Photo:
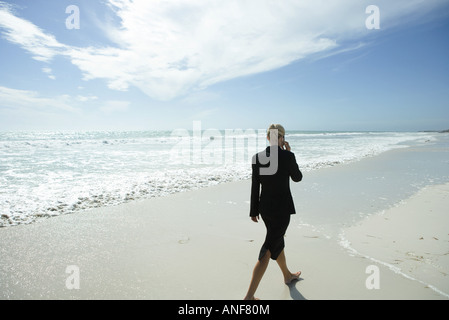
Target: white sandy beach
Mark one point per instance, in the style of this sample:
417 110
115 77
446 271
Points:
202 245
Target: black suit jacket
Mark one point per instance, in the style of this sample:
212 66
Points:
275 197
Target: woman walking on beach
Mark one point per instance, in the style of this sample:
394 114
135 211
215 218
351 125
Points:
272 169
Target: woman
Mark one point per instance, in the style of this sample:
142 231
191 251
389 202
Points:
274 203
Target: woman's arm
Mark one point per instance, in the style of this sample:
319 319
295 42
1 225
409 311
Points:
294 171
255 189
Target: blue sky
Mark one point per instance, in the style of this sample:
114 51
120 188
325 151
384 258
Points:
146 65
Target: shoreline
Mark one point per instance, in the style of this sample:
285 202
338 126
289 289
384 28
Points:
410 238
44 193
201 244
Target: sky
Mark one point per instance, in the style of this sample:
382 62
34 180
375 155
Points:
346 65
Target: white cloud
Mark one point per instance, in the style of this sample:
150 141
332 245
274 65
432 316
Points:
115 106
86 98
41 45
14 99
200 97
171 48
49 72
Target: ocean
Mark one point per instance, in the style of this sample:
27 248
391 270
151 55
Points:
46 174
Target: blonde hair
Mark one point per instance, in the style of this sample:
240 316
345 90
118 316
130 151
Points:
280 129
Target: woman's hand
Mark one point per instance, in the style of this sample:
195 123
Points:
255 219
287 146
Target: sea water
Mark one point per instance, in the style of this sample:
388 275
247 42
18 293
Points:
45 174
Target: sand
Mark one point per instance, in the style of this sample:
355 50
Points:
202 244
411 238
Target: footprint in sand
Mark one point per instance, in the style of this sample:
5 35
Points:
184 240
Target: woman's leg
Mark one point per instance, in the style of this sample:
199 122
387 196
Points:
288 276
258 273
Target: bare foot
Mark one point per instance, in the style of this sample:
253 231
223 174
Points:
293 277
251 298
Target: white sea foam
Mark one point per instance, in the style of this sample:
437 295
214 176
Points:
51 173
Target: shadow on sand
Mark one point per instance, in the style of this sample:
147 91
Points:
294 293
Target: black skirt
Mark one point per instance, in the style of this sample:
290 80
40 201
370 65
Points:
274 240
